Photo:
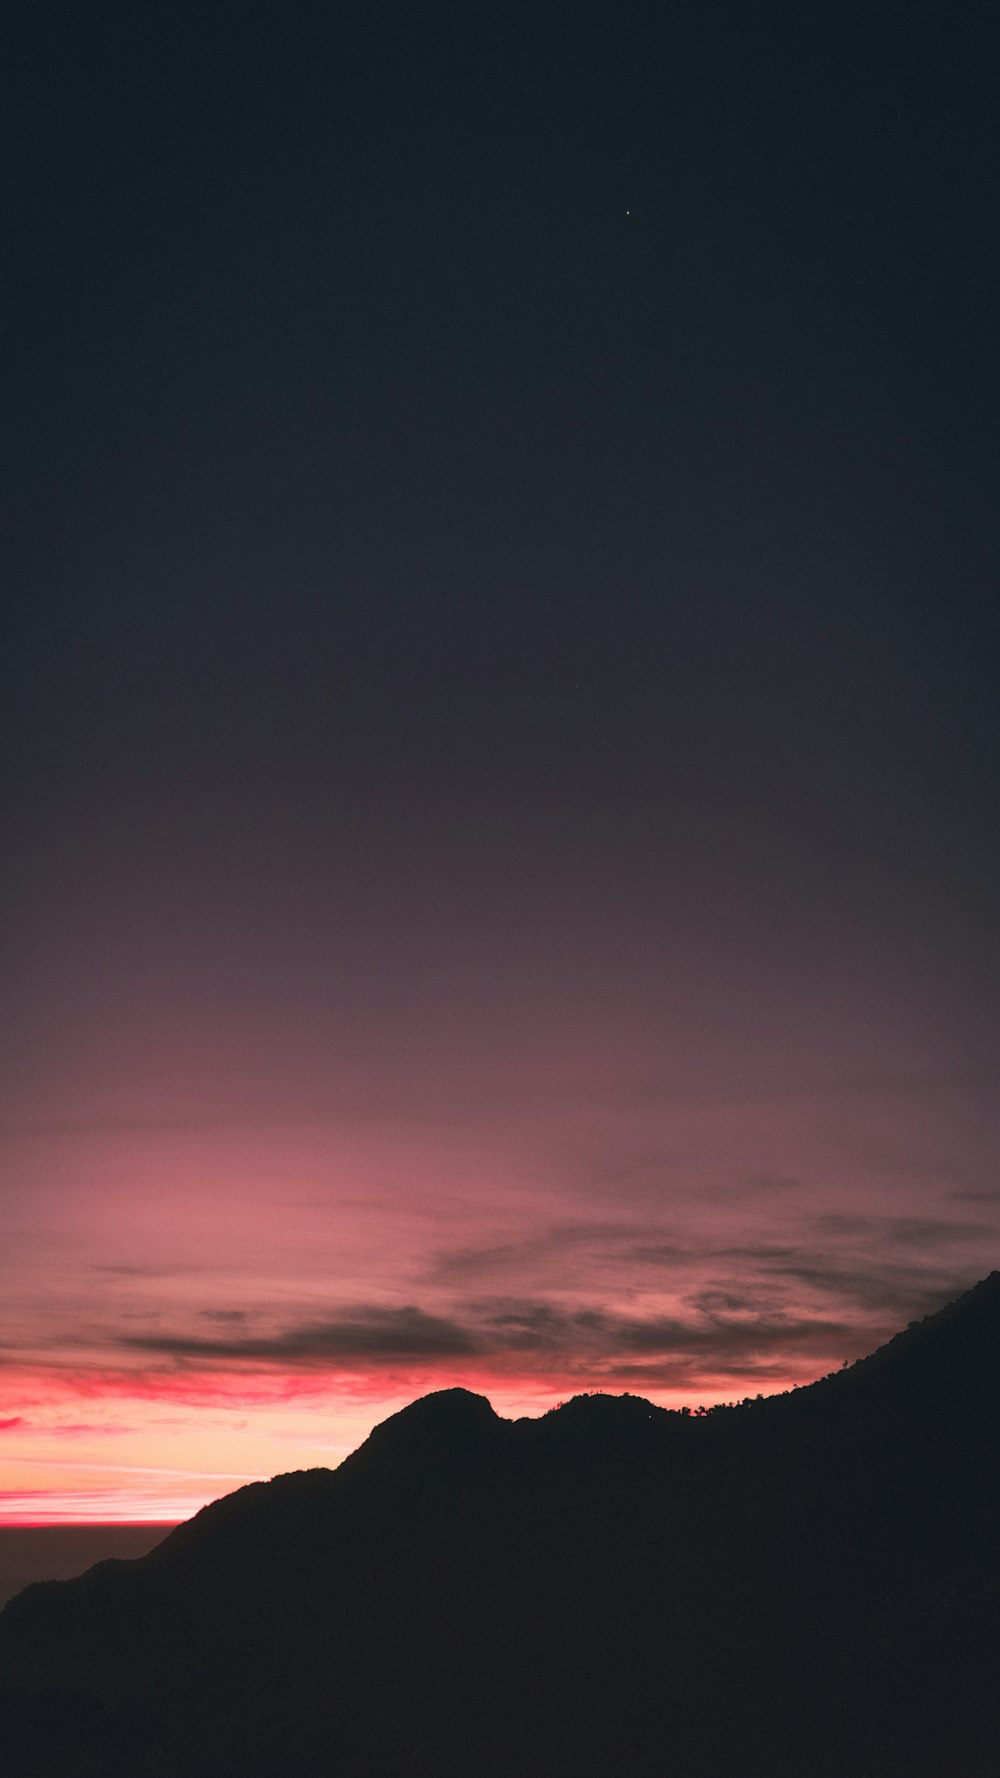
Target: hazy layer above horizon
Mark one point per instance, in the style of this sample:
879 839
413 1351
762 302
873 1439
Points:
58 1552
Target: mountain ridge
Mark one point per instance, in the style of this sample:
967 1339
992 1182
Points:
562 1595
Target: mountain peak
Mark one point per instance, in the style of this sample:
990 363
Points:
449 1426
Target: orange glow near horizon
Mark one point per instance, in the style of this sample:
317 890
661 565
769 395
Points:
165 1344
266 1425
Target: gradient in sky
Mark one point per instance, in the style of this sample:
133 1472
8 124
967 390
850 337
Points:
501 869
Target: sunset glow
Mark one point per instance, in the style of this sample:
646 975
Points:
167 1342
499 862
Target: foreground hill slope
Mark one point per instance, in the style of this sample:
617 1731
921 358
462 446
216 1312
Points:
806 1585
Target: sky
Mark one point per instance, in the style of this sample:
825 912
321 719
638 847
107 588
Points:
500 863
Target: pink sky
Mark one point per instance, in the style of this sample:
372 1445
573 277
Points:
500 859
189 1305
296 1126
499 867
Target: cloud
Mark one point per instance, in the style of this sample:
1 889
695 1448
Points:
551 1304
61 1429
869 1270
506 1255
872 1288
530 1336
368 1334
611 1301
596 1240
932 1232
150 1270
541 1327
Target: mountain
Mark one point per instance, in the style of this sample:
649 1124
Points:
804 1586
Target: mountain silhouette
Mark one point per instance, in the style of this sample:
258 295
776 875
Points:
802 1586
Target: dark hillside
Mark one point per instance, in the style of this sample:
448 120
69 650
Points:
802 1587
